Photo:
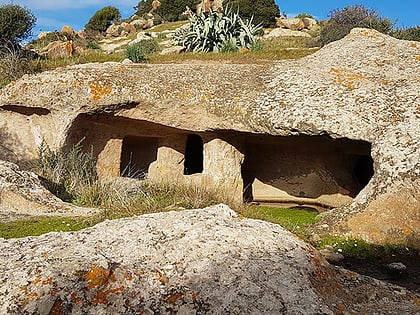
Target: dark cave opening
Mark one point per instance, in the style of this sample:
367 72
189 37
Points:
305 170
193 162
137 154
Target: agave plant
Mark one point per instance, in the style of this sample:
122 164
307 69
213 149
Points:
217 31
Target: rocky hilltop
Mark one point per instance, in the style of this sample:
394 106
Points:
207 261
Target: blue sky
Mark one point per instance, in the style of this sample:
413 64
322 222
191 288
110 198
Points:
53 14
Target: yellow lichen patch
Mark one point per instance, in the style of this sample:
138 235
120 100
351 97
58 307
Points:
346 77
122 68
97 277
407 231
375 230
418 57
413 45
368 34
97 90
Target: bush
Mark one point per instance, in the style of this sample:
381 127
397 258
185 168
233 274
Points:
15 62
343 21
103 18
66 174
139 52
16 23
261 11
412 33
216 31
169 10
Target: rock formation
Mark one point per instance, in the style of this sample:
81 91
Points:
207 261
338 129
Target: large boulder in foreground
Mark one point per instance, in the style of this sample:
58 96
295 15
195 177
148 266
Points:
207 261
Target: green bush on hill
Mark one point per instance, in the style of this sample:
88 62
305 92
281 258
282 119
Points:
262 11
341 22
411 33
169 10
103 18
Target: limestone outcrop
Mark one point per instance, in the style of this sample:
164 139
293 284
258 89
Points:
339 128
22 193
207 261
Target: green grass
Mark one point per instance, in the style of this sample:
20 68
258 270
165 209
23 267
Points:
42 225
295 220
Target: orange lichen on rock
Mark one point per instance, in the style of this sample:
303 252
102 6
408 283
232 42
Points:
97 90
407 231
346 77
101 296
173 298
418 57
97 277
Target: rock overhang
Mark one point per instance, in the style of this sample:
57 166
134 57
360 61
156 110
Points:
364 87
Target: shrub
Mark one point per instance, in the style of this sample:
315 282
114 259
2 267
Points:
16 23
214 31
341 22
103 18
169 10
304 15
66 174
261 11
411 33
15 62
139 52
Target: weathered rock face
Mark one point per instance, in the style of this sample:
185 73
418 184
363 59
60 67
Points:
22 193
355 103
205 261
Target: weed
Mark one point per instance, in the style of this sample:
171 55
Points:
66 174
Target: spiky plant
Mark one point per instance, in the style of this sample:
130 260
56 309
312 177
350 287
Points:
217 31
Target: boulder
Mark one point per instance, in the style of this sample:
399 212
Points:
114 30
129 28
68 29
294 24
23 193
59 49
310 23
283 32
187 262
172 50
139 23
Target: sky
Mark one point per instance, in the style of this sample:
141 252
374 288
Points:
54 14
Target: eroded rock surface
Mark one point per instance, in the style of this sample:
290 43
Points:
207 261
22 193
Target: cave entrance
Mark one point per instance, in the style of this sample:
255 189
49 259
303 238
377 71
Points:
137 154
305 170
193 162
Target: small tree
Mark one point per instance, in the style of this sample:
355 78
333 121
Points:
103 18
262 11
16 23
341 22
